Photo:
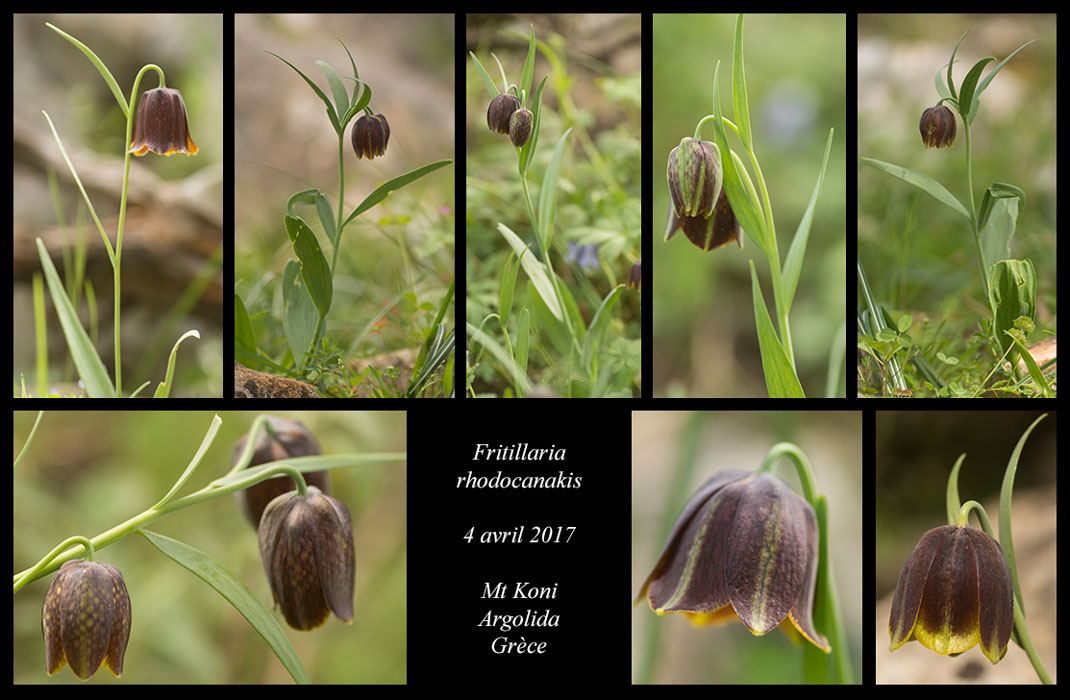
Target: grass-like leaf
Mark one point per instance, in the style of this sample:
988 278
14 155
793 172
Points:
389 186
331 113
548 193
780 379
739 88
101 68
793 263
1006 542
90 367
535 270
237 594
921 181
164 389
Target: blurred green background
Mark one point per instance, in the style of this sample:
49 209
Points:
86 472
666 443
919 255
284 143
704 335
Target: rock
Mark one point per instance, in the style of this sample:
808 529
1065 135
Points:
250 384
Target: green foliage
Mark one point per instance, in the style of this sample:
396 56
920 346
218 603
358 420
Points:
571 329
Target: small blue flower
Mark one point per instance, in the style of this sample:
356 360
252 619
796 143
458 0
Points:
586 256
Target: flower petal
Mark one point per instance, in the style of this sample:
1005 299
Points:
768 550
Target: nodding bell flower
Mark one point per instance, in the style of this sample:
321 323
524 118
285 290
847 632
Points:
161 125
937 127
86 619
370 134
306 547
286 438
520 124
699 203
744 546
501 111
954 592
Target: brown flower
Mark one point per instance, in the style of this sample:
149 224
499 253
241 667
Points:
744 546
306 547
370 136
161 125
953 593
86 619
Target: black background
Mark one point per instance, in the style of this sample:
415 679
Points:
447 574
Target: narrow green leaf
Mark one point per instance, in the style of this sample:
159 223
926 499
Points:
338 88
386 188
314 463
1006 541
508 287
950 63
244 338
740 109
954 505
491 87
326 214
356 76
921 181
331 114
85 195
234 592
967 102
529 67
314 268
523 339
599 323
86 360
548 193
209 437
528 149
101 68
793 263
746 211
163 390
536 271
1034 370
780 379
997 69
500 354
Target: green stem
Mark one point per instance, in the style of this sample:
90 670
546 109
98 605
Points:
117 263
54 560
549 268
1026 642
802 467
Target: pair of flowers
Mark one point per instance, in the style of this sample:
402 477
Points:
162 127
746 546
306 548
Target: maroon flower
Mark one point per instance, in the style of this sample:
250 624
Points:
86 619
161 125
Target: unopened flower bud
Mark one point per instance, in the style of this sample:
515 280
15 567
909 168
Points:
370 135
520 127
694 177
937 127
500 111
